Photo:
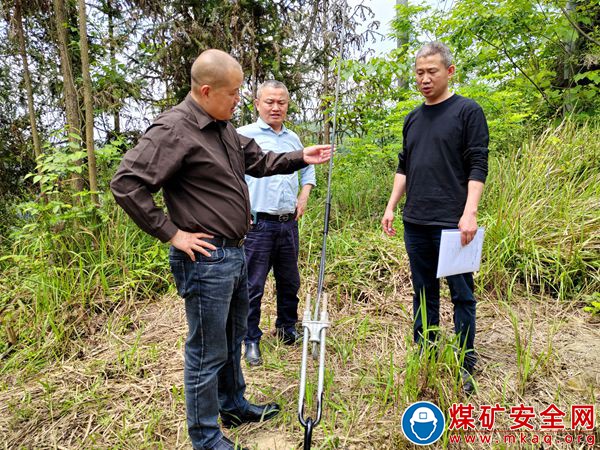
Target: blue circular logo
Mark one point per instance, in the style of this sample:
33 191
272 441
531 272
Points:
423 423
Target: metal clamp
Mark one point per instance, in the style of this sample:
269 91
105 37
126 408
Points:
314 327
314 331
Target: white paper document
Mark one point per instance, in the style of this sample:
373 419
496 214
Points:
454 258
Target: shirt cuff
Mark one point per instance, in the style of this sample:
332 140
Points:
297 158
167 231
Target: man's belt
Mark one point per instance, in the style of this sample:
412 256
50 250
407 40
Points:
276 218
224 242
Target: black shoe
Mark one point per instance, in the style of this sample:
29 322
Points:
226 444
289 337
255 413
468 383
252 354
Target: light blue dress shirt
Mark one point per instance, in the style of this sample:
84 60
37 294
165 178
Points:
276 194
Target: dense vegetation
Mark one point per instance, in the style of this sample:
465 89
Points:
70 257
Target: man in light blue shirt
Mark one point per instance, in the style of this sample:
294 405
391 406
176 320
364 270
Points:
272 241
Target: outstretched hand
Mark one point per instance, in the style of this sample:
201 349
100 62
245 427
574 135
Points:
317 154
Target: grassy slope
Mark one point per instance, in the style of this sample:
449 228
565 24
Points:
95 367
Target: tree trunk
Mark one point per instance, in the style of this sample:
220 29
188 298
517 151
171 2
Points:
113 64
70 94
88 101
254 82
309 35
568 62
253 62
400 43
37 146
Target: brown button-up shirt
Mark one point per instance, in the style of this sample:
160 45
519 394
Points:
199 163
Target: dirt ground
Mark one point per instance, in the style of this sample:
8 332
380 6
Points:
123 387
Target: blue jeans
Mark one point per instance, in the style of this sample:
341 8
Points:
216 307
273 244
423 248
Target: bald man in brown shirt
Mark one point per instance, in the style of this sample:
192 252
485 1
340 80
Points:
194 154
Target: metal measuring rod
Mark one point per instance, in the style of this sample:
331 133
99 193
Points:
316 322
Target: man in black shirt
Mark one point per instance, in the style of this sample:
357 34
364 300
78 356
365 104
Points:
442 169
193 153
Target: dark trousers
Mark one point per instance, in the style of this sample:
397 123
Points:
271 244
423 247
215 291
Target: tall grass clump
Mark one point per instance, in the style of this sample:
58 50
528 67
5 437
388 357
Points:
361 182
541 209
358 265
60 283
66 264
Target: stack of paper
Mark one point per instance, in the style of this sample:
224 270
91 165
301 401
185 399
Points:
456 258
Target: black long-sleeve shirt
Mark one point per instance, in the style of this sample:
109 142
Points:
445 146
199 163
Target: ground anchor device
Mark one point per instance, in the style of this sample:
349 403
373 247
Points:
314 332
316 322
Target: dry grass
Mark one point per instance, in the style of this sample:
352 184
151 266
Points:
123 389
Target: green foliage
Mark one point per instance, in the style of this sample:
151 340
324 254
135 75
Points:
433 368
70 262
540 210
359 172
16 159
521 60
67 264
542 230
527 46
527 363
59 282
509 114
593 304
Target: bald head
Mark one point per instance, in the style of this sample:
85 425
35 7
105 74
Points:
216 81
214 67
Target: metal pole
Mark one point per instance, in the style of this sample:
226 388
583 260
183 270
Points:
328 198
315 327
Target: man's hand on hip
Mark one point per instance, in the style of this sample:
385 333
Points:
317 154
190 242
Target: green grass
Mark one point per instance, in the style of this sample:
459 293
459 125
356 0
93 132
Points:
541 208
58 287
65 286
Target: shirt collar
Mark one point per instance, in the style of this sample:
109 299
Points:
265 126
202 117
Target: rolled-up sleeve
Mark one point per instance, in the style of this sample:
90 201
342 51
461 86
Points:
476 144
308 174
142 172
